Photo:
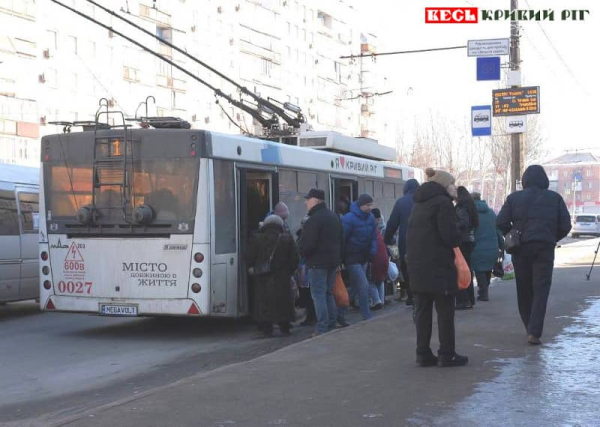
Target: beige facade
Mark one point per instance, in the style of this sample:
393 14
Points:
56 65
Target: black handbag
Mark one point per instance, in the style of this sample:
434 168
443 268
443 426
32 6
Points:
498 270
512 240
264 267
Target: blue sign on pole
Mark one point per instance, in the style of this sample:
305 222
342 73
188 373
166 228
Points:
481 120
488 68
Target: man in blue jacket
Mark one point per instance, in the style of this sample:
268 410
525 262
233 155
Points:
360 246
543 219
399 221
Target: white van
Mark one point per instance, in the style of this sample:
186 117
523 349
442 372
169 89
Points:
586 224
19 227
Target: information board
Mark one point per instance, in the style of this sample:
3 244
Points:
516 101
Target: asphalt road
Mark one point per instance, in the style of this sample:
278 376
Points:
57 366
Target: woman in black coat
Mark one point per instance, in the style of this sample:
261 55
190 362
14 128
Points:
468 221
272 296
431 238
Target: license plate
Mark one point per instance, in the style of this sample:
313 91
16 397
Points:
118 310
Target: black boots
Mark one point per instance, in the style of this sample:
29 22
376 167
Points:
456 360
427 360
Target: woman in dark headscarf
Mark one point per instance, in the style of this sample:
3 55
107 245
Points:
273 300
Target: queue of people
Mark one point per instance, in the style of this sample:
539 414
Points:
427 225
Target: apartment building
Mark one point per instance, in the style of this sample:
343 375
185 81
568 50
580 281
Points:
576 177
57 66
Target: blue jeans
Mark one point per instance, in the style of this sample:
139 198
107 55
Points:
321 288
360 285
377 292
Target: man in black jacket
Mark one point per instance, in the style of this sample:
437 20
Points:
432 234
321 247
543 219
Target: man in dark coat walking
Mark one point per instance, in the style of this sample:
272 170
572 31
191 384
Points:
543 219
432 234
399 221
321 247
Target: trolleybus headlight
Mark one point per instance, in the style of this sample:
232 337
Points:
47 285
86 215
44 256
198 257
45 270
143 214
196 288
197 273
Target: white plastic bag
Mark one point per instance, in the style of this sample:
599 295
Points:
393 271
509 269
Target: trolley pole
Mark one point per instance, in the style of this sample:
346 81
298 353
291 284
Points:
515 65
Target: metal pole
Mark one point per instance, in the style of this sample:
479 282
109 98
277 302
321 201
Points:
574 186
515 138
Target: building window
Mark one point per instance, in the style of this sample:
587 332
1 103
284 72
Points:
266 66
324 19
52 41
72 44
565 174
588 173
590 184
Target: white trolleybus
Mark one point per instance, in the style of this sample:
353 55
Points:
150 222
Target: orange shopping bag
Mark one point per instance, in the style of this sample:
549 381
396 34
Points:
462 270
340 292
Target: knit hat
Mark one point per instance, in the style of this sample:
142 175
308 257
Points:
376 213
273 219
282 211
476 195
443 178
364 199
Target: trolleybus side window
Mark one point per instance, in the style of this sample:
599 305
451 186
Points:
306 181
224 191
30 208
9 224
288 194
399 190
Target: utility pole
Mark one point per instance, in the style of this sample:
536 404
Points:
515 65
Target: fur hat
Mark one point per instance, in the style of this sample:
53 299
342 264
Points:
273 219
443 178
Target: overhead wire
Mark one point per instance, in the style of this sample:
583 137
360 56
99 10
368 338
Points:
560 56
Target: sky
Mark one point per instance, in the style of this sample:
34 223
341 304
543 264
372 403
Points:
559 56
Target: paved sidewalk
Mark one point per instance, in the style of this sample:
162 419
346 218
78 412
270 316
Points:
364 375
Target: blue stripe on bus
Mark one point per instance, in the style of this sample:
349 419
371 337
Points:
270 154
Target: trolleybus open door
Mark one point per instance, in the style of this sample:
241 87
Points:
344 191
258 193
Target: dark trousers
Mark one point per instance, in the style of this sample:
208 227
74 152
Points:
444 306
468 295
406 283
483 282
533 272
